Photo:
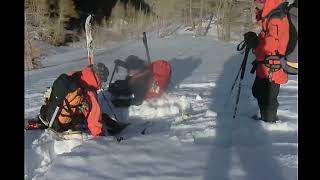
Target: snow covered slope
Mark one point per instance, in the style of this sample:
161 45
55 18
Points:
206 144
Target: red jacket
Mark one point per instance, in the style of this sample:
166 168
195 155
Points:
93 113
273 38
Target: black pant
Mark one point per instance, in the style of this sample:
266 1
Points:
266 93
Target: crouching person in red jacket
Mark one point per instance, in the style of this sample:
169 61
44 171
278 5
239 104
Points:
143 81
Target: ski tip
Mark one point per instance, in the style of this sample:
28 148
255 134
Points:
89 19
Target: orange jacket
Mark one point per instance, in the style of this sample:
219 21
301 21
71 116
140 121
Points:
93 114
273 38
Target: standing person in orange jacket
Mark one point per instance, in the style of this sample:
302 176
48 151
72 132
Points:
273 41
75 98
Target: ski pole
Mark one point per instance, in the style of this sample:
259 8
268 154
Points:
146 46
114 70
234 83
54 116
104 97
240 47
243 67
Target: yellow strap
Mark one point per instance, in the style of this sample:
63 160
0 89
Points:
292 64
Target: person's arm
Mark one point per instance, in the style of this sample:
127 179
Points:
138 76
277 37
94 117
139 85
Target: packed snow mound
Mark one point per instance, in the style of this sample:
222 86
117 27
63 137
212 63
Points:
43 150
189 133
165 106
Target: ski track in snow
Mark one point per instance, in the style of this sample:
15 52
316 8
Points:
47 148
33 95
189 133
202 85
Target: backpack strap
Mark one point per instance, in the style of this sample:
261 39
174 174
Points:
75 79
279 13
269 62
69 108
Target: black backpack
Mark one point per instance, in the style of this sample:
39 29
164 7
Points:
63 85
289 62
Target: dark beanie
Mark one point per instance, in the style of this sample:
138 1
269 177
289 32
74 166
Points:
134 62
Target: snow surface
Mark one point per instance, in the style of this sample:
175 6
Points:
190 132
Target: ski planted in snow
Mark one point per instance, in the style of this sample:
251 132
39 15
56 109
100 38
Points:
88 29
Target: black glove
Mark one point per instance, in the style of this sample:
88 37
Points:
118 62
258 14
119 88
251 39
122 102
137 101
